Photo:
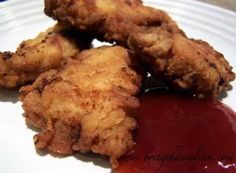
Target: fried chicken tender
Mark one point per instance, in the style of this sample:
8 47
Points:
186 64
48 50
109 20
86 105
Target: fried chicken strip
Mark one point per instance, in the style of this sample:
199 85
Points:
85 106
186 64
48 50
109 20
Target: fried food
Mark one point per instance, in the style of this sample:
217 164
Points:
109 20
86 105
47 51
132 2
186 64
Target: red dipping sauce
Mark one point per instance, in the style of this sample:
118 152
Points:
182 135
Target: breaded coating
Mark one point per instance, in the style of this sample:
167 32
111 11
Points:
109 20
186 64
48 50
86 105
132 2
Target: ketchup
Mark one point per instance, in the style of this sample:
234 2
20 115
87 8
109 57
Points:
178 134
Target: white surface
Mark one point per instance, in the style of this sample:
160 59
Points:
23 19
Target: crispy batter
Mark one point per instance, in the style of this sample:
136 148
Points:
186 64
85 105
132 2
48 50
109 20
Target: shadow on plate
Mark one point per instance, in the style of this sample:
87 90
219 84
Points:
223 95
96 159
9 95
31 127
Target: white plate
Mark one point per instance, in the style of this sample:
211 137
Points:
23 19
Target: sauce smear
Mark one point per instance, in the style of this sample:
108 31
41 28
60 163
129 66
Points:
182 135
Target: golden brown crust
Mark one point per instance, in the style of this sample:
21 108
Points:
110 20
186 64
132 2
84 105
48 50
